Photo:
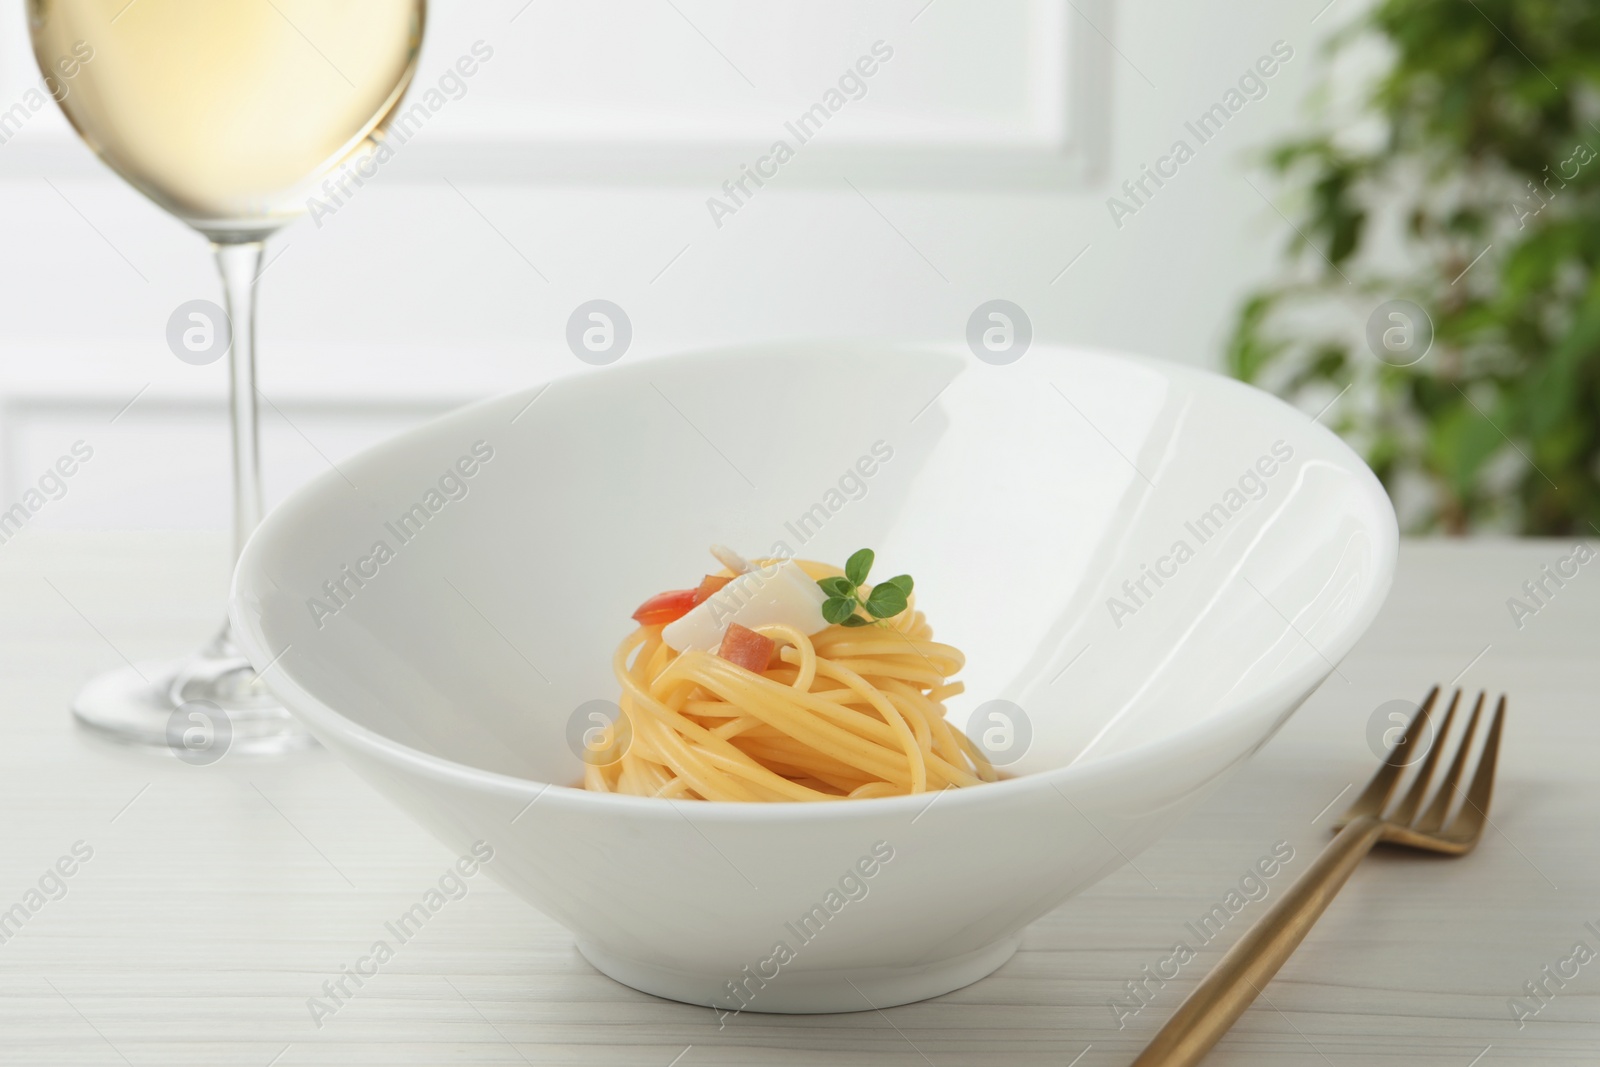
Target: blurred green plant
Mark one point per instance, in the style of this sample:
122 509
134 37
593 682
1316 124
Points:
1470 185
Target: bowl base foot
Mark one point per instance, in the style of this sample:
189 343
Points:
793 992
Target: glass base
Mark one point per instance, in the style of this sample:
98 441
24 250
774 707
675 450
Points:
201 708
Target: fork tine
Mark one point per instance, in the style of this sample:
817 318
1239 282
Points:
1413 800
1375 797
1475 809
1433 819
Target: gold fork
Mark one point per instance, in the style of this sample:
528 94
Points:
1249 965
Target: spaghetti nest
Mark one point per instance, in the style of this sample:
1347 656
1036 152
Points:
847 712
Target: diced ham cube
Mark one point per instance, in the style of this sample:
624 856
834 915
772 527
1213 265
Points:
745 648
708 585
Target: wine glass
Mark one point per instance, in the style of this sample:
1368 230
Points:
227 114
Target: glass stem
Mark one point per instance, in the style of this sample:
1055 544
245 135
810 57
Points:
239 265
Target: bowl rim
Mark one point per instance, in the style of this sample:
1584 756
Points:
1279 700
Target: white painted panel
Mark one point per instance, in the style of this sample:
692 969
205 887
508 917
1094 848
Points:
642 91
451 275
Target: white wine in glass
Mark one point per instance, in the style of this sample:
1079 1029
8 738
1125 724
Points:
228 114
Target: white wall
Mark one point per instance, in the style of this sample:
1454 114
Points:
407 301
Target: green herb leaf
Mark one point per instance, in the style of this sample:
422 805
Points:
837 585
903 581
837 609
857 566
886 601
856 620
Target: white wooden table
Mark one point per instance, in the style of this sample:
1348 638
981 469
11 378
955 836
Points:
218 899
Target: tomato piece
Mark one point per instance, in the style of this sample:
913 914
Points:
711 583
666 607
674 604
743 647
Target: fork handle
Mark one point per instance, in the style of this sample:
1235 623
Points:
1224 994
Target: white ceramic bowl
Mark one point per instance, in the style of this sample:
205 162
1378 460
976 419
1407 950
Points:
1156 565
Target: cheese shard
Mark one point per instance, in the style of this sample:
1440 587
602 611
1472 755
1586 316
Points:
783 596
